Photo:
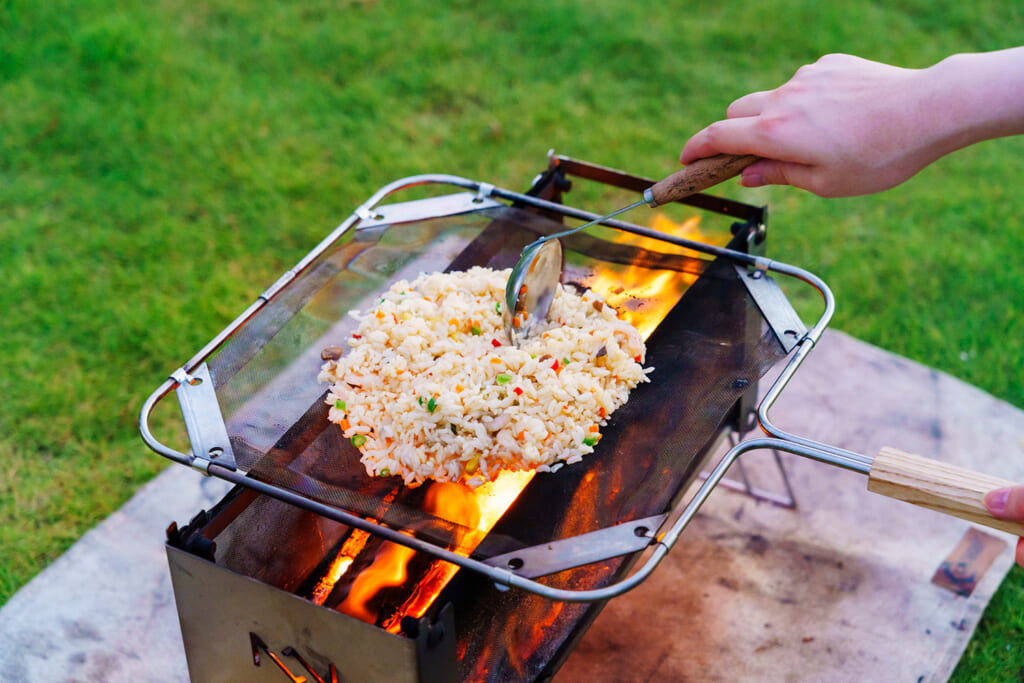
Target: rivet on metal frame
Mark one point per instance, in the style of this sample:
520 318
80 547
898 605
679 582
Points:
203 419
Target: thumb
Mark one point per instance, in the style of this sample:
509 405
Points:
1006 503
769 172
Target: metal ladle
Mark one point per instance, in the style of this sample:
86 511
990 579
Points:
531 285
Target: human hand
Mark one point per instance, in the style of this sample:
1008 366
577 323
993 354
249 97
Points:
1008 503
846 126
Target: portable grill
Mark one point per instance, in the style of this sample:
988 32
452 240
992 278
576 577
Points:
310 568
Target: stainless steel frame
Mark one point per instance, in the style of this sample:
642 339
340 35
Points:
514 570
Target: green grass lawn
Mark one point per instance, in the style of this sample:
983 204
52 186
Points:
161 163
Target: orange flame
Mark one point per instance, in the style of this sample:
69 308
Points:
389 568
453 501
352 546
477 510
641 295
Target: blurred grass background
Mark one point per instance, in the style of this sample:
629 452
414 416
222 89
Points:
161 163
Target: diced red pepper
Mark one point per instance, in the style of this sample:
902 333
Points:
637 359
357 336
495 343
518 391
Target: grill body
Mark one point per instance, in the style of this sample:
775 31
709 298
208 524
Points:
243 571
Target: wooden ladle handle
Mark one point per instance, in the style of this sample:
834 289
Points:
698 176
938 486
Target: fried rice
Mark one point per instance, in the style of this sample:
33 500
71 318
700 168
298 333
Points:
431 387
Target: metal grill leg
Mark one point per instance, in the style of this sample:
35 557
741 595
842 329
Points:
743 485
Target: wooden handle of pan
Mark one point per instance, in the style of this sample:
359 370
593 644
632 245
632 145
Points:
698 176
938 486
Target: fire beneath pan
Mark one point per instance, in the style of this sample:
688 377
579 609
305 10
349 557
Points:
642 298
477 510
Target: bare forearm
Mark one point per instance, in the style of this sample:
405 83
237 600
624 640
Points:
983 95
846 126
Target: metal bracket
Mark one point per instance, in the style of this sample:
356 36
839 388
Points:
483 192
432 207
203 419
774 305
541 560
368 215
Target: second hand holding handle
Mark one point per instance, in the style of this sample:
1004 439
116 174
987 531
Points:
938 486
698 176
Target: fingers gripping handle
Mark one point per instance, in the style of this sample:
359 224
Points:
938 486
698 176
